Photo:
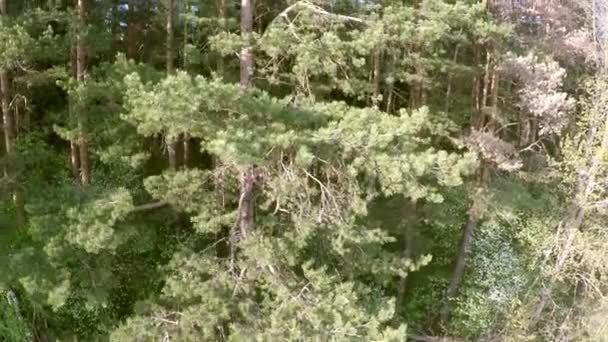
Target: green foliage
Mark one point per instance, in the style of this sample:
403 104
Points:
369 152
12 326
15 41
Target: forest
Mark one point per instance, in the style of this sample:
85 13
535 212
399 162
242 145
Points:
304 170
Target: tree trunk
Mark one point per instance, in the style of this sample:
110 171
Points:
407 253
187 150
9 131
83 144
490 87
459 265
75 160
170 35
170 66
448 92
131 32
377 76
390 87
7 116
246 57
187 139
172 152
476 91
247 201
221 8
249 174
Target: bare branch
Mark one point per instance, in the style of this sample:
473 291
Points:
318 10
150 206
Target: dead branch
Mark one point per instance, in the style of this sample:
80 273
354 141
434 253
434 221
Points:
150 206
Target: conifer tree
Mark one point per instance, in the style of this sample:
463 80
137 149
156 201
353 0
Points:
336 170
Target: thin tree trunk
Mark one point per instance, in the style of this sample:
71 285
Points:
74 149
9 143
131 32
249 174
75 160
172 152
413 95
187 142
407 253
524 130
377 77
476 91
85 167
448 92
187 149
459 265
170 66
417 95
390 87
9 131
221 8
185 47
170 37
7 116
389 97
487 79
491 83
246 57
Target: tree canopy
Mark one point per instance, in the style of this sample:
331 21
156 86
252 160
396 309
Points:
312 170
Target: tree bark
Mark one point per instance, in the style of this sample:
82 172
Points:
7 115
476 91
75 160
390 87
187 139
187 149
9 131
172 152
83 143
172 145
249 174
246 57
131 32
377 76
246 201
170 37
448 92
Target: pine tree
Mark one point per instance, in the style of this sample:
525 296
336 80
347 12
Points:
301 170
